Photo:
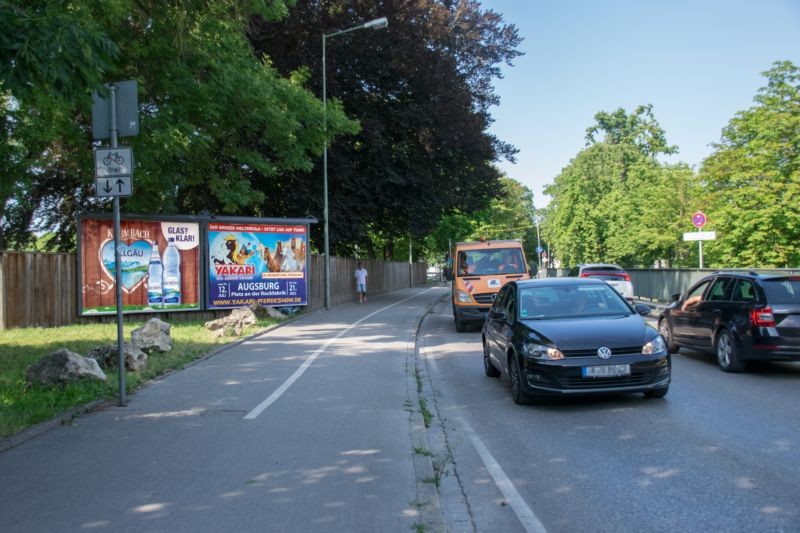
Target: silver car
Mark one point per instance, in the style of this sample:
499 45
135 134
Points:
614 275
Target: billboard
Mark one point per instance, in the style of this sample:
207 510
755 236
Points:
256 263
160 262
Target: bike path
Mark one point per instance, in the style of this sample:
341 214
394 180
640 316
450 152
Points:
191 452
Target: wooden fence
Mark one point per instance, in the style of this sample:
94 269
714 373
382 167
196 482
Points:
41 289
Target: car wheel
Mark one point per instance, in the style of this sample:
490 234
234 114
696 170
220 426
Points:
519 396
666 332
656 393
460 326
728 353
488 367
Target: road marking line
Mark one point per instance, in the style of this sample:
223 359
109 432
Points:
526 516
303 367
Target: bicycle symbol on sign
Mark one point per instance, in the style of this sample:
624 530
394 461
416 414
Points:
113 157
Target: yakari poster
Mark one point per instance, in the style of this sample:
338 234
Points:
160 266
256 263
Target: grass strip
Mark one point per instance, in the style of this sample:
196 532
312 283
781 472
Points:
22 406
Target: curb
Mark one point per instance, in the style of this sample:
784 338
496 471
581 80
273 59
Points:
431 515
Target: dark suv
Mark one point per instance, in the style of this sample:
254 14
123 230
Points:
738 316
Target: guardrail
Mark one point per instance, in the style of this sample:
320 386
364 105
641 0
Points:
659 284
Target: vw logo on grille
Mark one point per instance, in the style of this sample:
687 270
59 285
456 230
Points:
604 352
494 297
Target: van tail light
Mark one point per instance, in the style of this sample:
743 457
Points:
762 317
626 276
584 275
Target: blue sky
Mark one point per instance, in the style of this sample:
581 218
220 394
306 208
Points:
697 62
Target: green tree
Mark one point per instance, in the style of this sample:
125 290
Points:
421 90
219 125
615 202
509 216
752 180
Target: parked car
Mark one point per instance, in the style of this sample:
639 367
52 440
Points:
739 316
568 336
614 275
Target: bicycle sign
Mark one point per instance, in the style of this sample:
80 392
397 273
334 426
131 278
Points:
113 162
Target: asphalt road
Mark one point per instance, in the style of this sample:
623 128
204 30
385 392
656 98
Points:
315 426
306 428
721 452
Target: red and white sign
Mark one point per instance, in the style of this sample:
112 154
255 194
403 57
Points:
699 219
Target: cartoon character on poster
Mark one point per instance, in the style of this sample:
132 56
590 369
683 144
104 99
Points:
269 253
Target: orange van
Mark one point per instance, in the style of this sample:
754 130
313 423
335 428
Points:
478 271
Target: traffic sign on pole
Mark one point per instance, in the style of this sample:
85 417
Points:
113 162
699 219
700 236
115 186
125 112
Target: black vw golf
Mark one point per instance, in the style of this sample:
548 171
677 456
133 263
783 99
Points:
565 336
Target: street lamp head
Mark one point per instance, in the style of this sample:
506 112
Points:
376 24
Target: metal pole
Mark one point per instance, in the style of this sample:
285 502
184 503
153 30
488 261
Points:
373 24
410 264
701 251
117 260
325 180
538 246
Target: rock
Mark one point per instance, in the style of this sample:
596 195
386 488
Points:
233 324
262 311
274 312
107 358
62 367
153 336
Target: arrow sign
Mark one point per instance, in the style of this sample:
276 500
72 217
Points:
119 186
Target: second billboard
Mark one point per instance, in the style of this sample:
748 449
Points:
256 263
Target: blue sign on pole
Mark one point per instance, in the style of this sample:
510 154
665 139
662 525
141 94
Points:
539 249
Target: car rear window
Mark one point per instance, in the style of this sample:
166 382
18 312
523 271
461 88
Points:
599 269
606 276
783 290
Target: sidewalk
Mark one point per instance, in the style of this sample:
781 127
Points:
310 427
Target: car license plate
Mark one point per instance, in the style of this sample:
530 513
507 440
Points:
606 371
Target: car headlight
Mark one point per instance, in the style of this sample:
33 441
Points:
657 345
463 296
540 351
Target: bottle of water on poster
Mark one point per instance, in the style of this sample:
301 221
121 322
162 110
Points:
155 272
172 275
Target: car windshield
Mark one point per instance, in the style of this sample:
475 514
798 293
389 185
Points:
490 261
783 290
570 301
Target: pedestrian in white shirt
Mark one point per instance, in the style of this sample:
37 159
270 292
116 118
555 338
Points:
361 283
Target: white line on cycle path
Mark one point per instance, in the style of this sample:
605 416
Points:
526 516
303 367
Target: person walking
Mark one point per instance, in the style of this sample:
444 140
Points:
361 283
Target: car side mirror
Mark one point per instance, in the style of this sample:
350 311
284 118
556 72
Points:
642 309
675 297
448 274
497 314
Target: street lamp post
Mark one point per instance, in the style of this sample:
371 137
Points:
375 25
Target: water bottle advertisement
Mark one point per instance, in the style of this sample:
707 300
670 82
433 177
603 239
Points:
256 263
160 266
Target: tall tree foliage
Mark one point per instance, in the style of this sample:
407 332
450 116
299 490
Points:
218 123
509 216
614 201
421 89
752 180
